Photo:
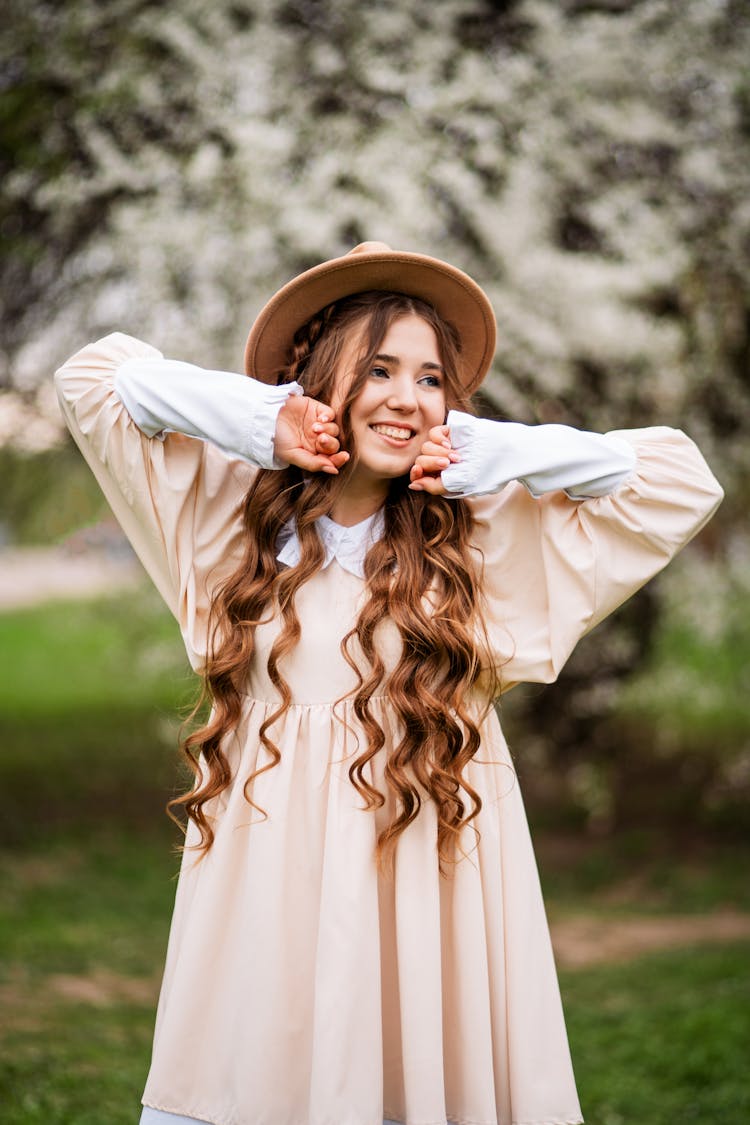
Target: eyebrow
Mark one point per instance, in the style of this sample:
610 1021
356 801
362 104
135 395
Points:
395 360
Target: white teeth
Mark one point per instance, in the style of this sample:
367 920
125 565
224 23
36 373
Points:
393 431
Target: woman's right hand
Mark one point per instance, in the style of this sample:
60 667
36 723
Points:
307 436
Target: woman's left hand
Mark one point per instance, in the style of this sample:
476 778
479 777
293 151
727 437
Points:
437 454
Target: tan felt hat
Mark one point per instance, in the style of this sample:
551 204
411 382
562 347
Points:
373 265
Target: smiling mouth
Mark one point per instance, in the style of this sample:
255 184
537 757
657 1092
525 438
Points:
398 433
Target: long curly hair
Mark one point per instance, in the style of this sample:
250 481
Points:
422 574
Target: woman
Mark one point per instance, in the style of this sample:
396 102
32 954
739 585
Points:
359 567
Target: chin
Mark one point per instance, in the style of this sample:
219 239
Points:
388 470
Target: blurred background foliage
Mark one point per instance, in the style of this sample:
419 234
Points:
164 168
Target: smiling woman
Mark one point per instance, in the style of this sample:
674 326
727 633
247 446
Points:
358 567
401 400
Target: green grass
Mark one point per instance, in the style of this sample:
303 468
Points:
86 1068
663 1040
90 706
65 903
83 931
69 657
644 872
90 700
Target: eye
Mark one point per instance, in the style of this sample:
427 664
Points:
431 381
379 372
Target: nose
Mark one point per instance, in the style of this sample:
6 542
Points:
402 395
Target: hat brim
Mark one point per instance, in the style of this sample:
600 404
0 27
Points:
454 295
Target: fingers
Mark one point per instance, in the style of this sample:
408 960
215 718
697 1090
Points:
437 455
325 433
325 420
317 463
440 435
433 460
332 464
307 436
423 479
433 485
324 413
433 464
439 450
327 444
330 428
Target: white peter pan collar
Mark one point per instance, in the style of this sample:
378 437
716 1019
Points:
347 545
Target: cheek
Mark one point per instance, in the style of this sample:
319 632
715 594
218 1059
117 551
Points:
439 412
363 406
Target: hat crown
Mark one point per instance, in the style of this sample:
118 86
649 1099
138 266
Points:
371 248
374 266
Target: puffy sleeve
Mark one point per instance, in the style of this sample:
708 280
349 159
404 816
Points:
554 567
175 497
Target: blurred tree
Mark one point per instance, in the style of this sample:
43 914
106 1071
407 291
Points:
99 105
165 168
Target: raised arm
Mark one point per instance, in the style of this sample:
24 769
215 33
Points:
177 498
264 425
553 566
474 456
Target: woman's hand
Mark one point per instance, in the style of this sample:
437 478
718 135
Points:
437 454
307 436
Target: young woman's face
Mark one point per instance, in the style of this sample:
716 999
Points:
402 398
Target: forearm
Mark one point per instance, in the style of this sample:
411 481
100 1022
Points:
544 458
232 411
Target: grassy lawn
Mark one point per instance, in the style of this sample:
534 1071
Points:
664 1039
643 872
82 939
87 865
90 703
70 657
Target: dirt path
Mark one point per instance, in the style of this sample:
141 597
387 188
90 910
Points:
33 575
586 940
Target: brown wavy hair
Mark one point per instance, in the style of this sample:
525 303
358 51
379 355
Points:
422 574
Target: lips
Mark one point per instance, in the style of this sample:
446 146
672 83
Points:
397 433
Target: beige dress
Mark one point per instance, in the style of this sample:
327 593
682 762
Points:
302 988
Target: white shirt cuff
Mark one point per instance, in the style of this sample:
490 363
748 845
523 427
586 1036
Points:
544 458
234 412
